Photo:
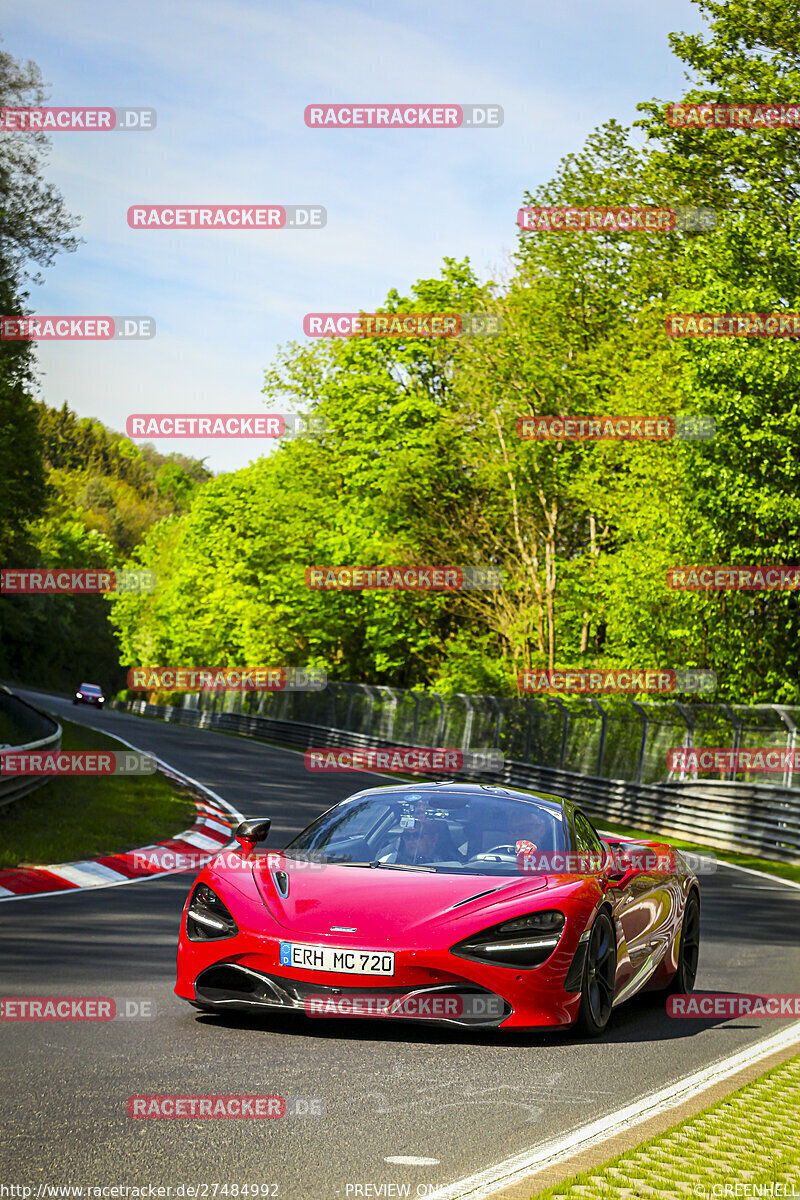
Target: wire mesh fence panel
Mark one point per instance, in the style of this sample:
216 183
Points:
383 716
514 727
623 741
484 721
546 719
760 726
456 720
666 730
610 738
359 709
709 726
404 730
584 730
429 718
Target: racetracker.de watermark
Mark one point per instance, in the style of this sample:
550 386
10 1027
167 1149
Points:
404 579
621 859
222 425
681 427
725 758
76 1008
411 760
743 324
50 120
161 858
227 679
227 216
70 583
76 762
410 1006
733 1004
76 329
728 578
265 1108
618 219
633 679
402 325
723 115
403 116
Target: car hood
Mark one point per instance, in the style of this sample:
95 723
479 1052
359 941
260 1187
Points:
379 902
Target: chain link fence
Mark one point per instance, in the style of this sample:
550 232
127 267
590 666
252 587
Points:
608 739
609 756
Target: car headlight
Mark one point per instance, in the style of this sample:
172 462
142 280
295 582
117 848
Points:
522 942
207 918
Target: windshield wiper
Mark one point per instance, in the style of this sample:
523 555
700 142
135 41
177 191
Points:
402 866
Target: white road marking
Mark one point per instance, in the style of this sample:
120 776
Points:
517 1168
408 1160
790 883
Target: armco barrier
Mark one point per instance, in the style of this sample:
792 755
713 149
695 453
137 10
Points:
27 717
752 818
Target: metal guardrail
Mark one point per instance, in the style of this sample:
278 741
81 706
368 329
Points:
14 786
751 818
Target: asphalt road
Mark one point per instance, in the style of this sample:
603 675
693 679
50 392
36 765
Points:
464 1100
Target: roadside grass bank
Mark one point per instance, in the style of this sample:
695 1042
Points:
77 817
747 1141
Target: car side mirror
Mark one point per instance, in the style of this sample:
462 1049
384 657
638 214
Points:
249 833
627 861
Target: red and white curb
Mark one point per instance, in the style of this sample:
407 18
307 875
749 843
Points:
209 836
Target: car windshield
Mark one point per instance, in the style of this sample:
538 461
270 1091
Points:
451 832
90 687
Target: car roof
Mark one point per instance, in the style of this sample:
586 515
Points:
441 790
91 685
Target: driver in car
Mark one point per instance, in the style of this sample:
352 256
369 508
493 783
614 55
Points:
526 829
427 840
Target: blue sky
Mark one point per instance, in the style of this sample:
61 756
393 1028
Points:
230 82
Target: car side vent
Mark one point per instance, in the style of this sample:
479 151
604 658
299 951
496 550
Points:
281 883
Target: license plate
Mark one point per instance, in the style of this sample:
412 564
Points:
336 958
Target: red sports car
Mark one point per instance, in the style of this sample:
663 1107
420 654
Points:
463 903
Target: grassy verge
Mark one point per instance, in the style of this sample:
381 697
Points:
749 1138
75 817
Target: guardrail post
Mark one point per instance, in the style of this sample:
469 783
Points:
498 722
603 722
562 754
791 741
440 723
688 737
642 740
392 711
529 703
468 722
737 734
371 699
415 728
350 698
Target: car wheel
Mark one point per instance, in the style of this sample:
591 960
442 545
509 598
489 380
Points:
599 978
689 949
